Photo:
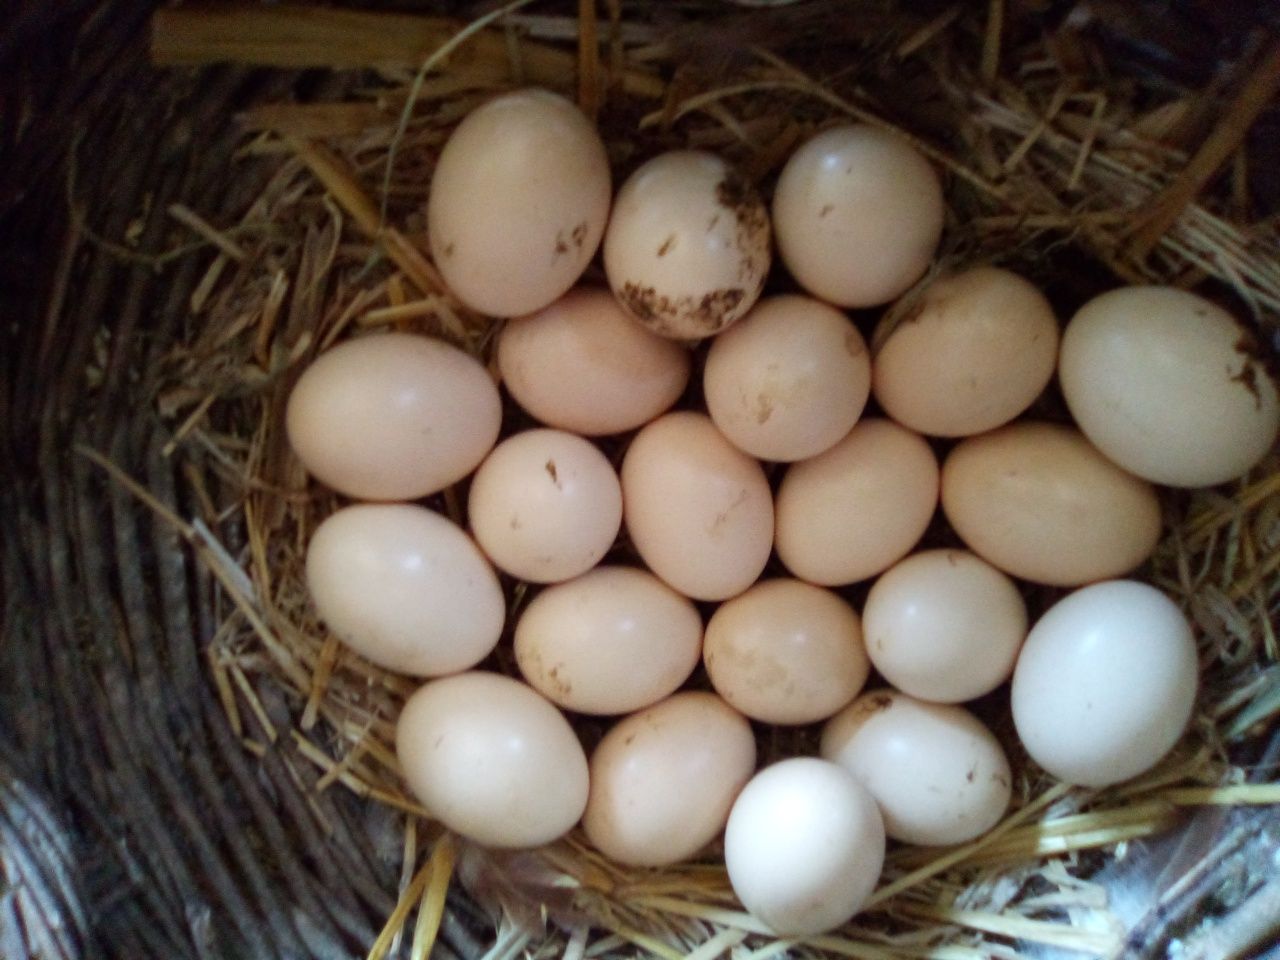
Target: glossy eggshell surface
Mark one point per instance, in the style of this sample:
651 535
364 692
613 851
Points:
687 248
804 846
663 780
698 510
858 213
518 202
492 760
786 652
1169 386
789 380
1040 502
1105 683
583 365
405 587
393 416
938 775
944 625
973 352
612 641
545 505
847 514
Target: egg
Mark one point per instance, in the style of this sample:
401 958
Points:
545 505
393 416
492 760
944 625
804 846
973 352
938 775
518 202
687 247
1040 502
858 213
786 652
1105 683
662 781
1169 386
405 588
852 512
583 365
698 510
610 641
789 380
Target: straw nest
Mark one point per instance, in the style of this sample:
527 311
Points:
1059 164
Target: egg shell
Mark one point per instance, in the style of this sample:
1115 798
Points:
698 510
852 512
1040 502
545 505
663 780
858 213
492 760
786 652
944 625
518 202
393 416
613 640
583 365
973 352
1169 386
789 380
687 247
1105 683
938 775
405 588
804 846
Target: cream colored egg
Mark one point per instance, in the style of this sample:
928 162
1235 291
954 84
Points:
404 587
804 846
583 365
858 214
1169 386
393 416
518 203
1040 502
786 652
613 640
789 380
492 760
1106 683
849 513
545 506
938 775
944 625
971 354
687 247
698 510
663 780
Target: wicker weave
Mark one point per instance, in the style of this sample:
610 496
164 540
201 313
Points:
133 823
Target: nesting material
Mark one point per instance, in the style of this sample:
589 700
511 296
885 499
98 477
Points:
1047 172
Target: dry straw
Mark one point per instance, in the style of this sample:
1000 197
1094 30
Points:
1079 183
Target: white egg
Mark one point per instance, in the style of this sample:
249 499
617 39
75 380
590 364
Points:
1105 683
804 846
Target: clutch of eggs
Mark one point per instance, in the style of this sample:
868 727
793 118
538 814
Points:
808 446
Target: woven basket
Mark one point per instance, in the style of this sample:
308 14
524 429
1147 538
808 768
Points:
162 798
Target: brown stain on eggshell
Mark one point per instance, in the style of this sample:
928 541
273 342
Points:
684 317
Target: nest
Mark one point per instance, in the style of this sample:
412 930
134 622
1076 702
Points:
191 767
